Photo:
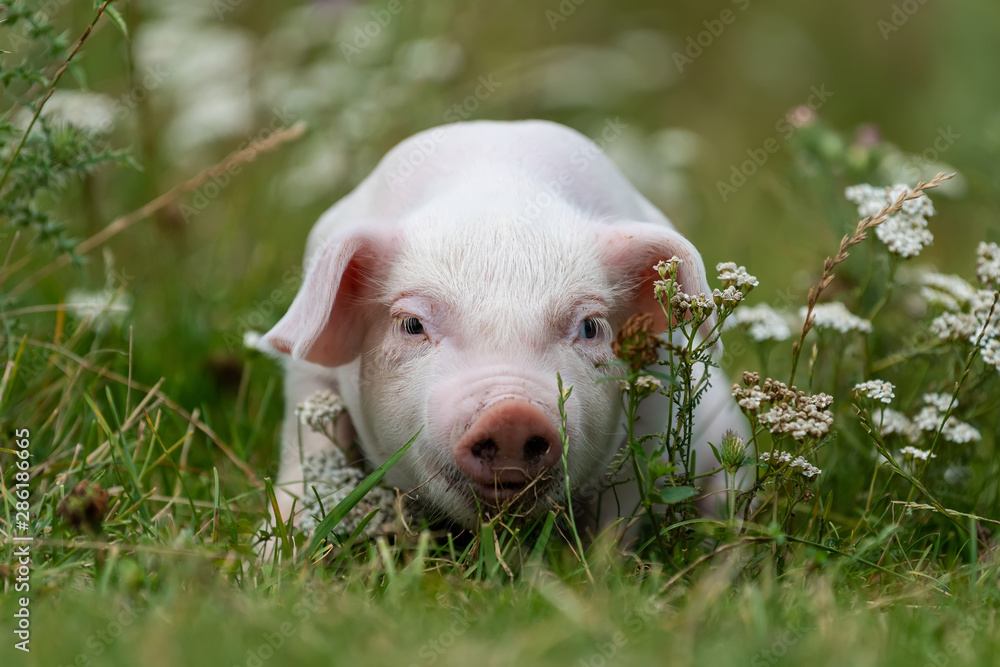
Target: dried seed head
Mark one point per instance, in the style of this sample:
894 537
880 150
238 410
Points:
636 344
85 506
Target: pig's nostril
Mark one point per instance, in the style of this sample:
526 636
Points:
485 449
535 448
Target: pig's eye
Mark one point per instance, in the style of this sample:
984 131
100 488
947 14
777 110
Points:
588 329
412 326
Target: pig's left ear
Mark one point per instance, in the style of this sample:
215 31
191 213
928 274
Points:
326 324
632 249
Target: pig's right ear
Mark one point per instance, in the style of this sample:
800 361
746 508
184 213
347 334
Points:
325 324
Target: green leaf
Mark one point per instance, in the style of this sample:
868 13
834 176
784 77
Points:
677 494
117 19
331 520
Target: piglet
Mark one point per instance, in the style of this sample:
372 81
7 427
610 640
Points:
446 292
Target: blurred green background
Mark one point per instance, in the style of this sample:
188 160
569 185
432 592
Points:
699 87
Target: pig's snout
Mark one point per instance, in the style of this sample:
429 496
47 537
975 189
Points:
508 446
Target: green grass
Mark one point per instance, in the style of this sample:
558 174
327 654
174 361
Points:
171 576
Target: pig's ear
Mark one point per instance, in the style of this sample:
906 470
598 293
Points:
631 251
325 324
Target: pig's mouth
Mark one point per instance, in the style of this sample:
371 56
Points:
517 495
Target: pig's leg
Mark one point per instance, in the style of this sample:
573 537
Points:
299 441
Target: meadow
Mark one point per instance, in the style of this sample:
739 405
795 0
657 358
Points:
837 167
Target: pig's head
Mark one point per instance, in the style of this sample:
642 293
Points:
457 329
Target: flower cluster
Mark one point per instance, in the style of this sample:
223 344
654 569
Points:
896 423
333 479
988 264
762 322
950 292
876 390
736 276
320 411
932 415
912 453
836 316
647 384
904 233
792 412
780 458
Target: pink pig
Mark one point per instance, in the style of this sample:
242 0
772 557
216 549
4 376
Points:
445 293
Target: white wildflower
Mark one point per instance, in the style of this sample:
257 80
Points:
647 384
836 316
876 390
732 275
988 264
904 233
811 471
91 112
896 423
783 457
959 432
955 326
765 456
991 352
940 402
931 417
728 299
103 309
251 339
763 322
667 267
749 399
951 292
910 453
320 411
